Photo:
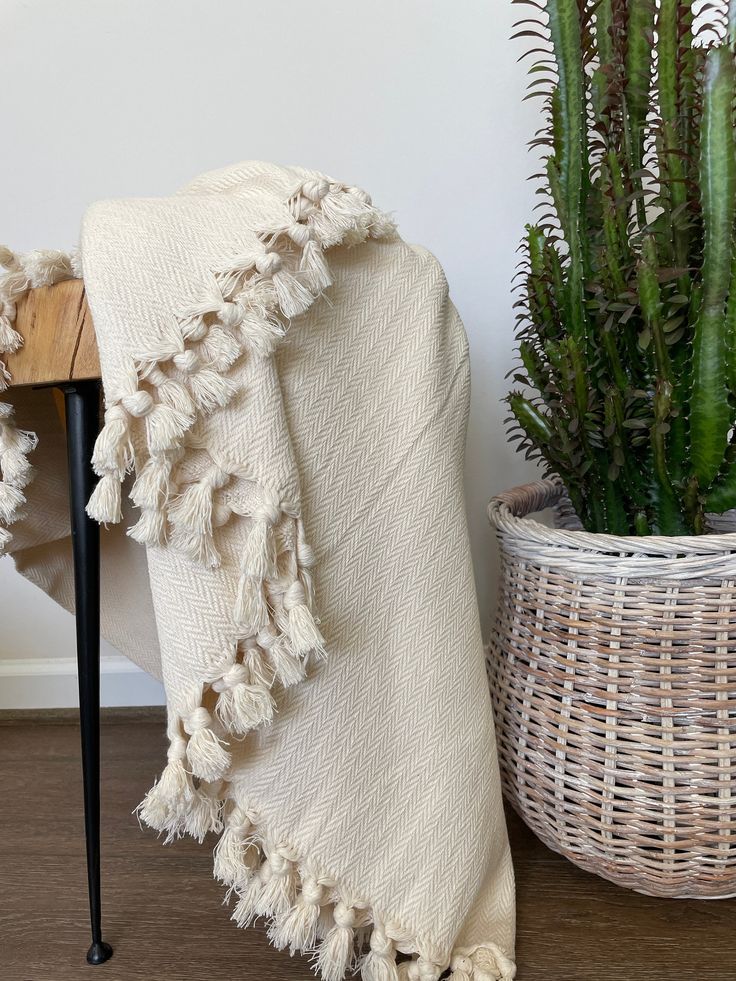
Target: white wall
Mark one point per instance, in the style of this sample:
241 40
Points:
418 101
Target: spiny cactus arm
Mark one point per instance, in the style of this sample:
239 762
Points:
612 240
689 60
619 488
616 521
539 284
535 368
619 196
711 416
547 437
722 495
633 476
672 171
603 28
599 81
638 69
578 377
535 424
668 513
650 301
570 162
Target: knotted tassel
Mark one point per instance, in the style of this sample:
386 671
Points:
219 350
196 546
297 928
314 266
230 851
191 515
259 554
44 267
10 339
304 635
260 331
206 753
210 390
335 953
287 668
5 540
165 426
11 500
203 816
246 909
15 444
113 452
242 705
164 805
173 805
312 263
279 885
379 963
104 506
113 456
488 963
192 509
150 528
229 275
229 313
293 297
169 391
258 671
462 969
342 209
251 610
151 488
8 258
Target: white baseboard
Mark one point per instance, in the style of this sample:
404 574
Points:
51 682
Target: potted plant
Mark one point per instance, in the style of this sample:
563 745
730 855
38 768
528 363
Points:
613 657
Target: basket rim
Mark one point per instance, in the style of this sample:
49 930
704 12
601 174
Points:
509 513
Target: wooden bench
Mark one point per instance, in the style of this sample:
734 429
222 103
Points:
60 350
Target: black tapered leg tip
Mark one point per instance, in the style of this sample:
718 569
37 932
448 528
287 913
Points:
99 953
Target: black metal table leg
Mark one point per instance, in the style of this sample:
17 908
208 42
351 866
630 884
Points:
82 421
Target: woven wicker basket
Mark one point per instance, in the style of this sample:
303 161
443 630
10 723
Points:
613 673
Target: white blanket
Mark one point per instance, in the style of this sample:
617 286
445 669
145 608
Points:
289 382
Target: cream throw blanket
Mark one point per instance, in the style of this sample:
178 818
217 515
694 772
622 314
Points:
335 734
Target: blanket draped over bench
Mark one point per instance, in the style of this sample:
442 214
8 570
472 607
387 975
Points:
286 395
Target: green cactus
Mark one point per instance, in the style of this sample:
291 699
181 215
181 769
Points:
626 386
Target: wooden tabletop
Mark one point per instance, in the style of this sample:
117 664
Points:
59 339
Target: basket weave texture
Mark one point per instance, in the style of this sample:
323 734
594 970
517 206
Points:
613 673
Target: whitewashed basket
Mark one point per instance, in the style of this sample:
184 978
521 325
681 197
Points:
613 673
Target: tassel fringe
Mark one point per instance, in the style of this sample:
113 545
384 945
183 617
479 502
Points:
105 504
307 912
205 752
11 501
245 707
251 610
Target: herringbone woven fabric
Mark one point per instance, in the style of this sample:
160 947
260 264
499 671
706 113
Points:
356 794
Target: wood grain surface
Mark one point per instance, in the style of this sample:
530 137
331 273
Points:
163 913
59 338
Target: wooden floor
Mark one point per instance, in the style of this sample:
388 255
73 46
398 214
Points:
163 912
